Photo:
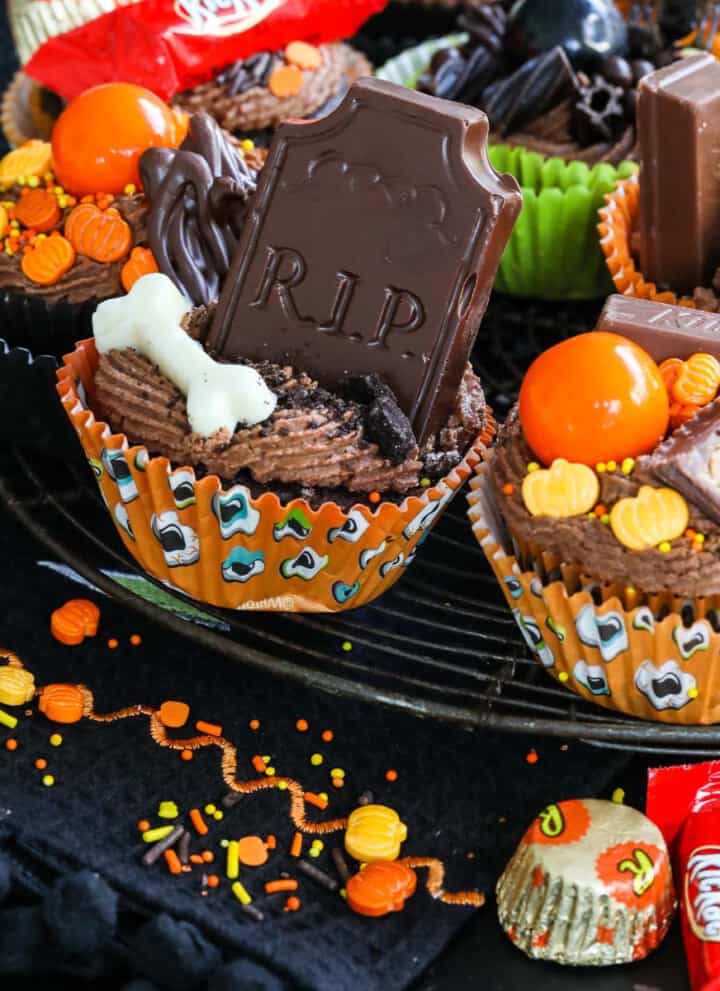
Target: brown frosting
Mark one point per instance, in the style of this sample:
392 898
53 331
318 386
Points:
586 541
257 107
87 279
313 439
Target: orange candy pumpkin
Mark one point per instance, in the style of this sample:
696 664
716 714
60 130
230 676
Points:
697 381
62 703
38 209
49 260
100 234
141 262
380 888
77 619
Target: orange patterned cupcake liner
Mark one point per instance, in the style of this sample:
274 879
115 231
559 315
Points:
617 221
227 548
617 653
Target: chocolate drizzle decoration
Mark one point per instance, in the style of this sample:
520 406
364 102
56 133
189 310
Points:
197 194
247 73
538 85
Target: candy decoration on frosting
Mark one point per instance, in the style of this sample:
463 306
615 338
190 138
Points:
651 518
99 234
99 137
374 832
381 888
697 381
593 398
563 490
31 159
38 209
49 260
141 262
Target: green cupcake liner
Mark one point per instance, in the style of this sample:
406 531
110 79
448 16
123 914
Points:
553 252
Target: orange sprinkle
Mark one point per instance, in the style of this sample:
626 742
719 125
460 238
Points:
296 845
196 858
282 884
285 81
600 510
186 754
174 714
292 904
11 743
270 842
374 497
210 729
689 533
112 643
259 764
173 862
303 55
254 724
142 826
391 775
338 782
531 757
41 764
213 881
198 822
508 489
208 856
302 726
312 799
252 852
136 639
327 736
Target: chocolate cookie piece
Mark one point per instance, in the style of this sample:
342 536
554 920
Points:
385 423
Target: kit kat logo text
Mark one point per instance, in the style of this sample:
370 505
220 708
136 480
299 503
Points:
702 893
224 16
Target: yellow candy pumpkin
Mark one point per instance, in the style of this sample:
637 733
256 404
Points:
374 832
17 686
34 158
564 489
649 518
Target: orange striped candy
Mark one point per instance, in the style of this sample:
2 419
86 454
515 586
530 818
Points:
669 370
697 381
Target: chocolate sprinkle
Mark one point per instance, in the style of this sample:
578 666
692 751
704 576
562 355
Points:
315 874
158 849
340 864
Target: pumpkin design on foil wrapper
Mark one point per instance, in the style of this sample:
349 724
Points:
564 489
62 703
17 685
374 832
380 888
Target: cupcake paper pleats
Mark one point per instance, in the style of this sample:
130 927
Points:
618 220
652 656
228 548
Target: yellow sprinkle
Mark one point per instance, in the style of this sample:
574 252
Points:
62 202
48 780
611 466
699 538
600 467
270 771
40 237
241 894
343 892
605 518
337 772
629 590
282 785
168 810
15 224
425 482
618 796
693 693
323 795
21 180
7 720
247 144
210 808
159 833
533 466
664 546
224 843
33 182
346 645
55 740
563 676
317 844
9 251
58 190
233 860
591 516
130 189
218 814
48 176
316 760
267 758
313 851
627 465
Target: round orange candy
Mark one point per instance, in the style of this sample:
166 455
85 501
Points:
100 136
595 397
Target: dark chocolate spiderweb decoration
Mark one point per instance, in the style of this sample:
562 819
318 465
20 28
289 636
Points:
198 195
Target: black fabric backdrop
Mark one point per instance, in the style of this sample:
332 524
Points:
460 793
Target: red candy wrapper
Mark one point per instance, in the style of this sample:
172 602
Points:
166 45
684 802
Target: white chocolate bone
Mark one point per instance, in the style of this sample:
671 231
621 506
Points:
218 396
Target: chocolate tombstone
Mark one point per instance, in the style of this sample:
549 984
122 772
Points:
678 119
371 246
663 330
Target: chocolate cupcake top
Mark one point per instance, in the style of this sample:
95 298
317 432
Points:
647 517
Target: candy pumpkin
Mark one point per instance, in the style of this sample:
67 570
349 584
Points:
17 686
381 888
74 621
374 832
102 235
649 518
564 489
62 703
48 261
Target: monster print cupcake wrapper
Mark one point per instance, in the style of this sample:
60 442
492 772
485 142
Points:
227 548
604 641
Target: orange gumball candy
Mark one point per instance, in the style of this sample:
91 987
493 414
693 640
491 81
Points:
99 137
593 398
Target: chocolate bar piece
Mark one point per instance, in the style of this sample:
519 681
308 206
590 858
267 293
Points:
371 246
678 119
689 460
663 330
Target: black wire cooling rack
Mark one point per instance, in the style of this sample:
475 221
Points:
440 644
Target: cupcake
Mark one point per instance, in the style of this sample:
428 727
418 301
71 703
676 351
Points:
259 457
596 514
77 227
257 93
